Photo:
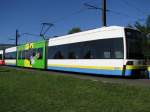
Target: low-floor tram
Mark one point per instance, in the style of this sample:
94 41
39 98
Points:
110 50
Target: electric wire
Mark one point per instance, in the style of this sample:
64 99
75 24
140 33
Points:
133 6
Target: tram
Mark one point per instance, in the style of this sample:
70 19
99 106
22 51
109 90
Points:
113 50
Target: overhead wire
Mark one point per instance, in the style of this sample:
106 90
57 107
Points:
64 18
95 7
73 13
115 12
133 6
56 21
138 10
83 9
69 15
10 37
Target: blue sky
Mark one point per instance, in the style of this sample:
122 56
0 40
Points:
27 16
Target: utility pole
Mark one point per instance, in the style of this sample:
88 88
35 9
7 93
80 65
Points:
103 9
17 36
104 13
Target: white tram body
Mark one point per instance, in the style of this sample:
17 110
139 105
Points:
118 64
10 56
1 57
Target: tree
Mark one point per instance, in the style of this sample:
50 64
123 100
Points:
144 28
74 30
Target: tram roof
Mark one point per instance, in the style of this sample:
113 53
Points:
99 33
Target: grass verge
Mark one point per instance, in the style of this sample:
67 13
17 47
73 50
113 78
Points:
35 91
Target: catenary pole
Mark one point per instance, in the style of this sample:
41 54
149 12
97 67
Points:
17 36
104 18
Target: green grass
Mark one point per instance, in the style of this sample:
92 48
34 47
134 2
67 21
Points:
24 91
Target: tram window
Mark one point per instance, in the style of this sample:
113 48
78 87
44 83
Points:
27 55
107 55
51 52
87 55
55 56
71 55
78 50
98 49
6 56
10 55
89 52
0 56
134 44
31 53
118 54
107 48
117 49
58 52
63 51
39 53
34 52
19 55
13 55
69 51
23 54
58 55
72 51
101 49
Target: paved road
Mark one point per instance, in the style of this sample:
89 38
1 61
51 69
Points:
115 80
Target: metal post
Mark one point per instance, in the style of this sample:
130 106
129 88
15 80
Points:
104 13
17 36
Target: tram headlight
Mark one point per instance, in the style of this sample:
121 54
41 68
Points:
130 63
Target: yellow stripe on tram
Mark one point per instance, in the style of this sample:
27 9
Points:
87 67
131 67
149 68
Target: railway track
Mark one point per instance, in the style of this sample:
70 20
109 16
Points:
103 79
